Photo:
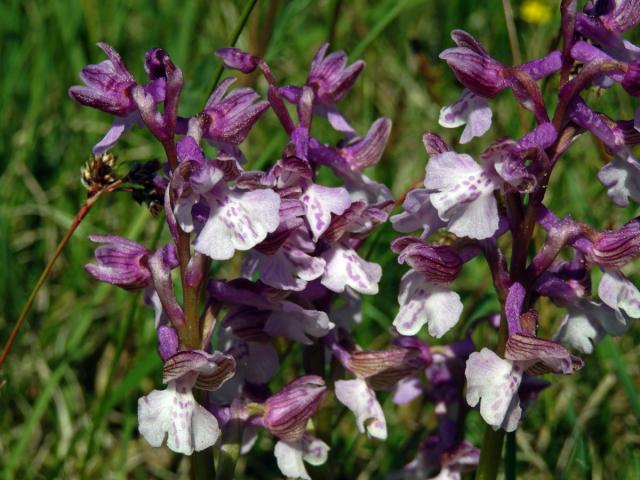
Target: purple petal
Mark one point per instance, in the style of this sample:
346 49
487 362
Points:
418 214
237 59
366 151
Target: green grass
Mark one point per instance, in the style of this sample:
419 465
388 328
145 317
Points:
69 389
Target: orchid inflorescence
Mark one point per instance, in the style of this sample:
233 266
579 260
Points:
302 275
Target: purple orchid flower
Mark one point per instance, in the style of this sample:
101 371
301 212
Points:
109 87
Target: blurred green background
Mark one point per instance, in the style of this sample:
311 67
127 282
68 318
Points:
69 390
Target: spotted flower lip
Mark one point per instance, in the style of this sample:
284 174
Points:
287 412
462 193
291 456
237 220
174 412
493 383
290 267
424 302
345 268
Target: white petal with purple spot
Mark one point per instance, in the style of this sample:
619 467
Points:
493 382
320 202
292 455
175 413
470 110
237 221
345 268
361 400
621 176
462 193
422 302
619 293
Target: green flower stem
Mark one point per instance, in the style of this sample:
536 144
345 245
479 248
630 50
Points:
230 451
491 450
490 454
510 457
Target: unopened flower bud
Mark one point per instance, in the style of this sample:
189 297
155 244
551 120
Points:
434 144
366 151
121 262
168 341
330 77
383 369
473 66
287 412
438 263
237 59
154 63
231 115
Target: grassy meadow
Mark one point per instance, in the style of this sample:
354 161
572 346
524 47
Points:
69 389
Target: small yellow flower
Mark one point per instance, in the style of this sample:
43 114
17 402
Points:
535 11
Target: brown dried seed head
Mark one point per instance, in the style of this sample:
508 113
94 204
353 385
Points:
98 172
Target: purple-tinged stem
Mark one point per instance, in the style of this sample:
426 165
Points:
190 332
569 9
82 213
588 74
